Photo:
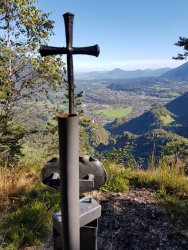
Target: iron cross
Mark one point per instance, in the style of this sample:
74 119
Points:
69 50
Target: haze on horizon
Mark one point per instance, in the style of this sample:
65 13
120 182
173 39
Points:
132 34
83 67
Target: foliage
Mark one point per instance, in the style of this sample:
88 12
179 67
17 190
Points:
44 145
166 120
177 210
29 205
91 135
26 204
165 127
118 150
98 135
119 121
38 149
183 42
24 225
24 75
85 146
155 118
178 148
121 155
117 180
166 178
10 140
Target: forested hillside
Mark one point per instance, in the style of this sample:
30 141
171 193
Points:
160 131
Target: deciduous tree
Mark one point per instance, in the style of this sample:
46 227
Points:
24 74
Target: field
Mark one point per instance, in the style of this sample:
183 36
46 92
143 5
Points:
173 94
115 113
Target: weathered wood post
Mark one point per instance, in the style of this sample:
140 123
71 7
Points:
69 143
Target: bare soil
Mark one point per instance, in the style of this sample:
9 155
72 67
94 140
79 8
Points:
134 220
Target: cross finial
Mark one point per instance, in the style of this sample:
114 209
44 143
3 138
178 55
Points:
69 50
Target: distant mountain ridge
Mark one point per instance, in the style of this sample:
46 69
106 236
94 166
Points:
179 72
118 73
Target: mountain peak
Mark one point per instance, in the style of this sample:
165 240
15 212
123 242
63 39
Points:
179 72
117 71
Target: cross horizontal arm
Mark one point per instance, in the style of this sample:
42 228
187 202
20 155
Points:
91 50
49 50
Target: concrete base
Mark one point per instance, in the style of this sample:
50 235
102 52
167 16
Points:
88 237
90 211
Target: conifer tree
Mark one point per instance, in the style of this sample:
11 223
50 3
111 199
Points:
183 42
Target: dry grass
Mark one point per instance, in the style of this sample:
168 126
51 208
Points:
14 182
167 179
24 199
26 206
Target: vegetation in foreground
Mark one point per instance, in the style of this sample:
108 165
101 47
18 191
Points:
27 205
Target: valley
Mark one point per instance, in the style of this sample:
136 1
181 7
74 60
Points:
139 95
147 113
144 115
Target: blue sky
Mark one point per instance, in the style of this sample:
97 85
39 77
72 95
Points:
132 34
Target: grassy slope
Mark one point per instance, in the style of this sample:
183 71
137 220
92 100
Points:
27 205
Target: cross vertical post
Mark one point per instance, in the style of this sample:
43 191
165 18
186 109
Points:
70 73
69 50
69 142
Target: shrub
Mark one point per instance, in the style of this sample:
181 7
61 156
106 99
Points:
116 179
177 210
